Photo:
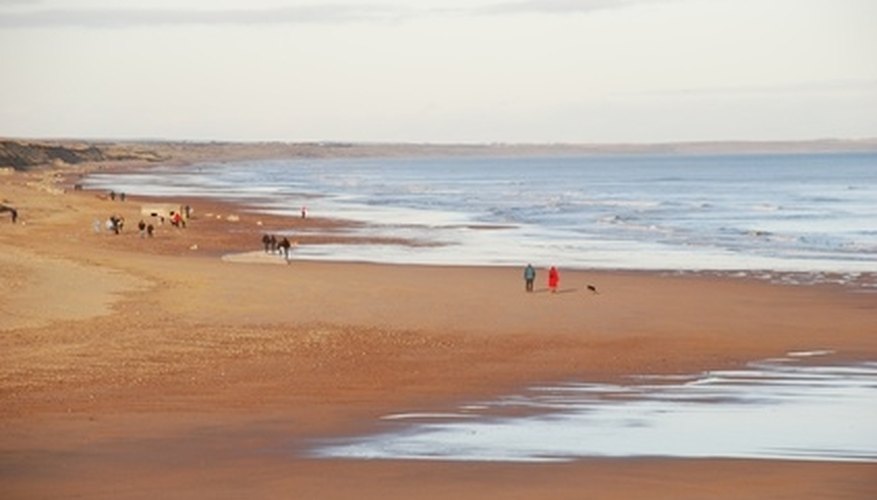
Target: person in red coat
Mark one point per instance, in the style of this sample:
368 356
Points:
553 279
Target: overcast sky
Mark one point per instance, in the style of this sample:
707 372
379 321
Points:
439 70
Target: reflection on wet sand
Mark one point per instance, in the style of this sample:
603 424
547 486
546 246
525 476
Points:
799 407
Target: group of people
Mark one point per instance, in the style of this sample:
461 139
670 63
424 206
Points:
145 229
273 245
177 219
530 278
115 223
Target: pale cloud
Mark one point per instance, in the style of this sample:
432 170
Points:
844 86
123 18
314 13
561 6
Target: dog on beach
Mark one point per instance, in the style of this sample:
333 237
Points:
593 289
12 211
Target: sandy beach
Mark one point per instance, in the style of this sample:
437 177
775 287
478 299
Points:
142 367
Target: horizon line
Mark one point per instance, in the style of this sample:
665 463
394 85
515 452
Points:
860 139
715 146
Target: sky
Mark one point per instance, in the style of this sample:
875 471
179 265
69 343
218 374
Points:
439 71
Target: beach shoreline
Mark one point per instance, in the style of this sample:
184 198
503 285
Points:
132 367
615 212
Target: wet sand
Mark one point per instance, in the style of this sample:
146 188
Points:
136 368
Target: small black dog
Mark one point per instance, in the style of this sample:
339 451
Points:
593 289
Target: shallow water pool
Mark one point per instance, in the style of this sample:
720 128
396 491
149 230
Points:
798 407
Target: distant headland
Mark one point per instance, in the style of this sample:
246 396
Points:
25 154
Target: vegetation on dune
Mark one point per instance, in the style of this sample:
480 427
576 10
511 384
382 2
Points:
23 155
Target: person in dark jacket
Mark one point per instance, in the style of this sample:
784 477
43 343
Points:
283 246
529 277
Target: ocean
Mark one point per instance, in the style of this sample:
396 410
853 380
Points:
789 213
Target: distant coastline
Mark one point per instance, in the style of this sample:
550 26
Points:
27 153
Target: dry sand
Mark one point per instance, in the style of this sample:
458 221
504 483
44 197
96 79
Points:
143 368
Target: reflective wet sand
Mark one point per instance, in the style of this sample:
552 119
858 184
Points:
799 407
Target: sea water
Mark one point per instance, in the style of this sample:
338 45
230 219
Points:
789 408
810 216
811 213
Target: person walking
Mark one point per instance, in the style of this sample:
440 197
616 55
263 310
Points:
529 277
553 279
284 248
